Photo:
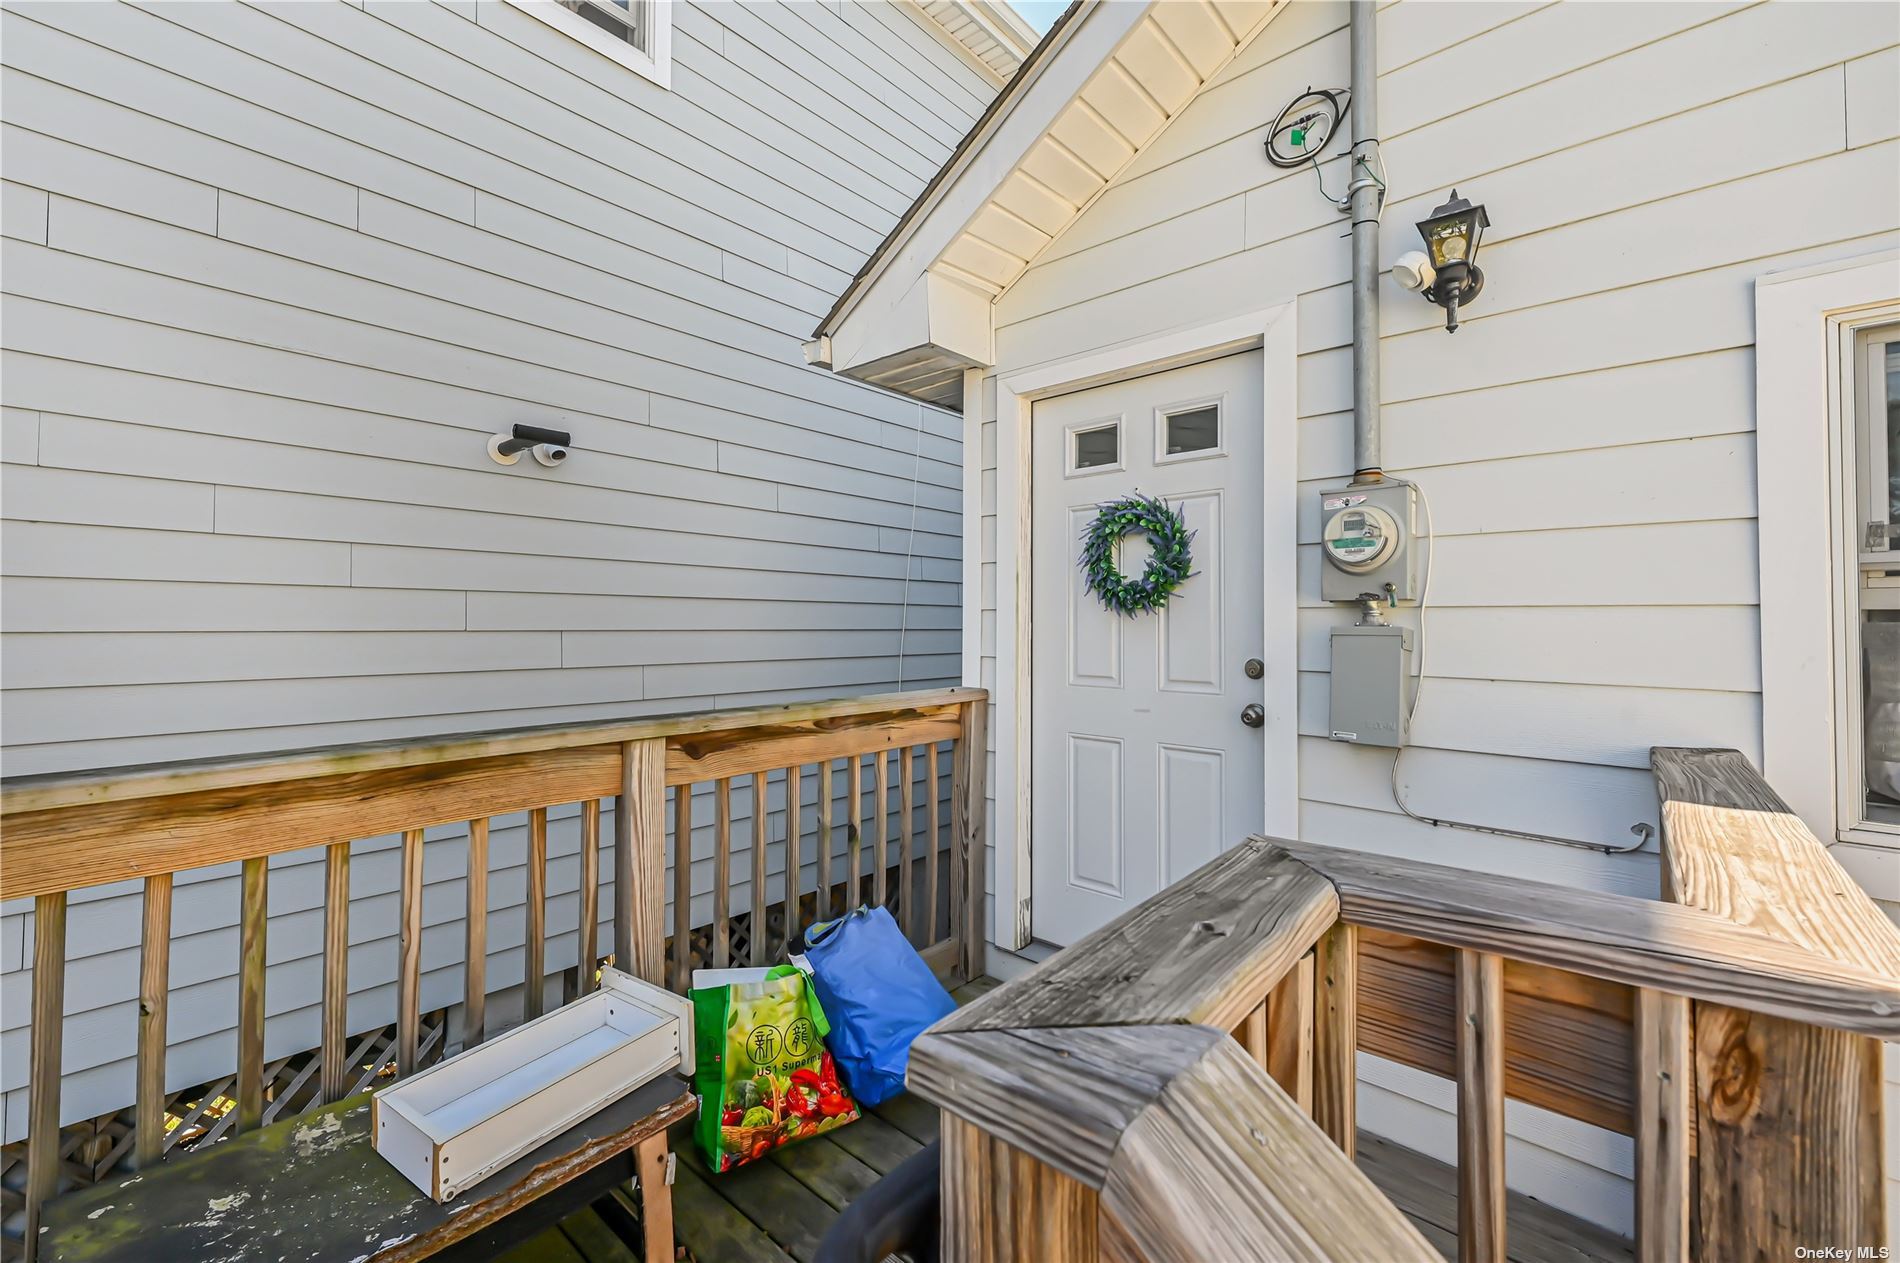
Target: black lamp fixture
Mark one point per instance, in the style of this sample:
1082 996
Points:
1452 233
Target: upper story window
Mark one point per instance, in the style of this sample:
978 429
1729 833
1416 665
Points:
1871 656
635 33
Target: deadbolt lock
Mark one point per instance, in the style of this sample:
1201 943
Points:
1255 668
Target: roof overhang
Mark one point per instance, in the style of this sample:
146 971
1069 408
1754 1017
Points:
988 33
1105 81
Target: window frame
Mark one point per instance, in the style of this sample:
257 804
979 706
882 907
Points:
1167 412
1076 429
654 63
1805 322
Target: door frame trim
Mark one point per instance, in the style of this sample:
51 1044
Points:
1273 331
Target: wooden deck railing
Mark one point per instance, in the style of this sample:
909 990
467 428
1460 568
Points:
63 833
1093 1109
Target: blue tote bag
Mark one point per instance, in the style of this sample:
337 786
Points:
877 994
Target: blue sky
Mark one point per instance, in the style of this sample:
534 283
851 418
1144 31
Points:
1040 13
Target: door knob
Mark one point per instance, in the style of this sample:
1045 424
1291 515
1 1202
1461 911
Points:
1253 715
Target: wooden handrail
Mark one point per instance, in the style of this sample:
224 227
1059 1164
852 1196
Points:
68 832
1732 849
1640 942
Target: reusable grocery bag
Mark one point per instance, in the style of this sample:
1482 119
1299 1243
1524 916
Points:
878 995
763 1074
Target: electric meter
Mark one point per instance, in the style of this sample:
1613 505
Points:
1360 539
1366 535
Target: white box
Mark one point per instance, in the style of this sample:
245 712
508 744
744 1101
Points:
458 1122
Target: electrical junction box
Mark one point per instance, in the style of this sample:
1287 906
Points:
1368 534
1370 667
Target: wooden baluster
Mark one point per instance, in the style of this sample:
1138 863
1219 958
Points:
755 953
930 852
722 873
1665 1082
882 800
1252 1033
907 804
1480 991
44 1061
336 970
588 962
534 971
682 888
475 944
155 947
640 899
824 907
971 807
794 825
1336 1035
1290 1033
854 832
253 916
409 955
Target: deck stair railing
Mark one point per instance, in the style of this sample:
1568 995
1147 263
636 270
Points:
1181 1084
71 832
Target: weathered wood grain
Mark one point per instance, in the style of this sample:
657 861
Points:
1289 1020
794 876
475 937
1064 1094
534 970
906 885
409 954
253 918
1638 942
1773 1095
336 970
722 874
1002 1205
70 789
682 888
1224 1165
656 1197
155 948
880 817
971 798
742 751
588 959
74 847
853 832
755 953
1665 1080
930 851
1336 1035
1203 951
1251 1034
1481 1235
824 908
1569 1048
43 1060
640 868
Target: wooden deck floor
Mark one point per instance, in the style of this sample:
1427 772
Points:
777 1210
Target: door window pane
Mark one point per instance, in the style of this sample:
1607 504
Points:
1195 430
1097 447
1877 448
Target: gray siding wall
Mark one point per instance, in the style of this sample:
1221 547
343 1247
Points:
273 273
1586 439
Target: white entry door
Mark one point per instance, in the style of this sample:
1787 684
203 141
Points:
1143 767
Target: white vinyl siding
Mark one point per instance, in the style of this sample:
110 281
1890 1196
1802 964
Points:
274 273
1586 438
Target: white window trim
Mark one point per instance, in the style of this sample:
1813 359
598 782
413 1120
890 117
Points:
658 66
1069 435
1800 316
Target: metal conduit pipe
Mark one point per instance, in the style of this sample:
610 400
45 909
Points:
1364 197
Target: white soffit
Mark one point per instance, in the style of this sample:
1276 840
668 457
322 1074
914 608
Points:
989 31
1057 147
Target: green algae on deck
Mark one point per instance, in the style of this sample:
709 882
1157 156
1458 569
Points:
313 1189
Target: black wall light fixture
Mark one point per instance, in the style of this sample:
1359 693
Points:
549 446
1448 273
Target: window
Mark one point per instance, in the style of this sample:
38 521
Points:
635 33
1095 447
1187 432
1872 652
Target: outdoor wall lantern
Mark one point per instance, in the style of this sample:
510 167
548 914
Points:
1448 275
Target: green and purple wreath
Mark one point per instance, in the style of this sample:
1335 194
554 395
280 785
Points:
1169 564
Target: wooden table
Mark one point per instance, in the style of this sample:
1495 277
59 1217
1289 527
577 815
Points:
314 1189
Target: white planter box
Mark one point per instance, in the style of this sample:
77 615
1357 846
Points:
456 1123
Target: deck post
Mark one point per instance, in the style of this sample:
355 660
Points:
971 804
1336 1035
